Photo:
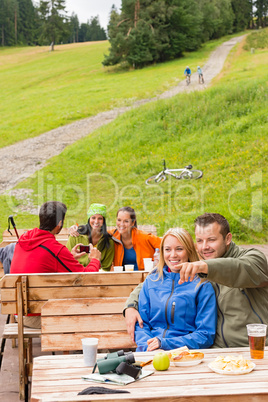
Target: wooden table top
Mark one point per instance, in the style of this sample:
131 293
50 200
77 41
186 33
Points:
58 378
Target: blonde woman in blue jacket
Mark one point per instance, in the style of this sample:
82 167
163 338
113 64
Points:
175 315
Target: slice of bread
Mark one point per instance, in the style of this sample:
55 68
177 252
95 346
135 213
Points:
183 354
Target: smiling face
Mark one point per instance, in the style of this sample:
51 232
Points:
124 223
96 222
210 242
174 252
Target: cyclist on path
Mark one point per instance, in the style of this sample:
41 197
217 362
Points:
200 74
187 73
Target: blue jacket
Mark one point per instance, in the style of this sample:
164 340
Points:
187 71
178 315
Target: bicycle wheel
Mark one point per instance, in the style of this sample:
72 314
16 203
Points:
192 174
156 179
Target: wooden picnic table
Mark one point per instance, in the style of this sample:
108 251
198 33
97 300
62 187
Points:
58 378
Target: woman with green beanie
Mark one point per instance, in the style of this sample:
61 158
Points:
95 232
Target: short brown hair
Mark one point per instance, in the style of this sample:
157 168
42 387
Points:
209 218
50 214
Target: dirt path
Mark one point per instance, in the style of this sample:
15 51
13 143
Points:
22 159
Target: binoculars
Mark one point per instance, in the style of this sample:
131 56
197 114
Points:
119 362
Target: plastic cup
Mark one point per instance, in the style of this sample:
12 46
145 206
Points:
118 268
90 347
129 267
256 339
148 264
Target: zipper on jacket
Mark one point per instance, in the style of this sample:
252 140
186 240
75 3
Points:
244 293
222 316
173 312
172 290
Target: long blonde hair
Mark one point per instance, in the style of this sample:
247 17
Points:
186 241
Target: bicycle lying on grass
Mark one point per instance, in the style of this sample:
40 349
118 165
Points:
186 173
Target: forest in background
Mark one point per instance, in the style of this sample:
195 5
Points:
155 30
24 22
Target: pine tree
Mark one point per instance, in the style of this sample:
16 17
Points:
150 31
261 12
27 22
8 22
53 21
242 14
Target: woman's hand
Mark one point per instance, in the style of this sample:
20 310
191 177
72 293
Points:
72 231
153 344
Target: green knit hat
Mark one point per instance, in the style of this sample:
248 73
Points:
96 209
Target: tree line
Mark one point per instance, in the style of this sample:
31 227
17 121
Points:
149 31
23 22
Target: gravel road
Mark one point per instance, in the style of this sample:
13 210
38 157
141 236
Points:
22 159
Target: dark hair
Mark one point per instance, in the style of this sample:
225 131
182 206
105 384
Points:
50 214
131 212
86 230
209 218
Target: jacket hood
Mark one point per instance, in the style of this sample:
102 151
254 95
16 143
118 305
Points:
33 238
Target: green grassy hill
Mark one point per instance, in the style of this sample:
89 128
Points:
222 131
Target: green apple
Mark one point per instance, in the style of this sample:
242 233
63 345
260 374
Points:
161 361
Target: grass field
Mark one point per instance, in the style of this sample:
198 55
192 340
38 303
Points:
222 131
42 90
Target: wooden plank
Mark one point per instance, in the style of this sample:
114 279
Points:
60 324
59 342
86 306
76 279
11 331
43 293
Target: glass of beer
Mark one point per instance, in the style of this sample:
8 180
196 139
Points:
256 338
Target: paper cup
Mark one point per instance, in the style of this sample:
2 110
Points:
129 267
118 268
90 347
148 264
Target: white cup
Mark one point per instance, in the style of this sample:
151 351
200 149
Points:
129 267
90 347
118 268
148 264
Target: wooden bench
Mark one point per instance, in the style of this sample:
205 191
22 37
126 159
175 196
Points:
26 294
65 322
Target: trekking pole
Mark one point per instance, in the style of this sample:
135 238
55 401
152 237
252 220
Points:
11 220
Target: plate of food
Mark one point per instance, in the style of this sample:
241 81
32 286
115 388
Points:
184 357
231 365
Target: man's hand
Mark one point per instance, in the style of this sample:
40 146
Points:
72 231
132 316
94 253
153 344
76 251
188 270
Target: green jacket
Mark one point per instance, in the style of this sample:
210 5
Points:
240 281
107 255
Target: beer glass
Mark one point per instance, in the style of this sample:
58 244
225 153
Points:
256 339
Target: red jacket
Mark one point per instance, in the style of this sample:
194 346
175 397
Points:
38 251
143 243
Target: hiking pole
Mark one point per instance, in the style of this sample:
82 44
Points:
11 220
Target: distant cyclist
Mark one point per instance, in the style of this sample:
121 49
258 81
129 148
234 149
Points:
187 73
200 75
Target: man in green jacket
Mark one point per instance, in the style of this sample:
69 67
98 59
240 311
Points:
239 277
